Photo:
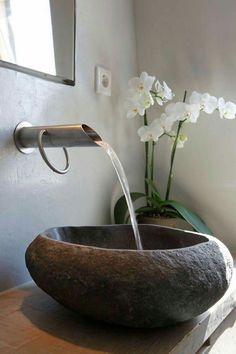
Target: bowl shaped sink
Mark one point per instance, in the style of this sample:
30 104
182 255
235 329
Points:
98 272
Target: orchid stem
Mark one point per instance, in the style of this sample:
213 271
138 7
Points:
173 151
152 162
146 161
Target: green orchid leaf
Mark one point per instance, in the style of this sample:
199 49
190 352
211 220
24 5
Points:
155 198
153 188
126 219
192 218
171 212
154 203
121 207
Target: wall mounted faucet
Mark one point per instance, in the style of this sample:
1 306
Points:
28 137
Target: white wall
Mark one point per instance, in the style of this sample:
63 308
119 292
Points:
192 45
32 198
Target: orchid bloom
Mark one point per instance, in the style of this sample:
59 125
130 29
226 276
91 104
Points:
146 100
142 84
182 138
151 132
133 108
137 104
207 102
183 111
166 122
164 93
157 128
227 109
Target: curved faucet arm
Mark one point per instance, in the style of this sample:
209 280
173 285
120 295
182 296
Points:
26 136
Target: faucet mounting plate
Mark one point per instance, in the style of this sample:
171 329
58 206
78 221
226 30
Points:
19 146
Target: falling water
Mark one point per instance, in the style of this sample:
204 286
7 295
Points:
125 186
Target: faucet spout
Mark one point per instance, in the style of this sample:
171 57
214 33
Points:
26 136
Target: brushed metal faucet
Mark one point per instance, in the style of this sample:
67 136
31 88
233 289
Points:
28 137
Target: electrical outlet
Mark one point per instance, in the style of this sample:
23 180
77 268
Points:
103 81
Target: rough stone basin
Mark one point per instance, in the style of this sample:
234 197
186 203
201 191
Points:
97 272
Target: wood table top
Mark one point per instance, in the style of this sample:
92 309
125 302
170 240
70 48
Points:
31 322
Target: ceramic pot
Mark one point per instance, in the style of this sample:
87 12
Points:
175 223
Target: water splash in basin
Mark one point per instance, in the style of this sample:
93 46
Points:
125 187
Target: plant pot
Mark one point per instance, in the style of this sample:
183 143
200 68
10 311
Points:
175 223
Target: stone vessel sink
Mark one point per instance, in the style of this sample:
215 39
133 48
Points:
98 272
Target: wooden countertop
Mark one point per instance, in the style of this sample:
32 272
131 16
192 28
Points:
33 323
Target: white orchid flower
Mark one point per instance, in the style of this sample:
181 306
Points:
192 112
207 102
166 122
182 138
164 93
146 100
137 104
227 109
134 107
151 132
175 110
142 84
183 111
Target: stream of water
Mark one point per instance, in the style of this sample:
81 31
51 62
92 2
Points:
125 186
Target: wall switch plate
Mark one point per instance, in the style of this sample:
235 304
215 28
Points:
103 81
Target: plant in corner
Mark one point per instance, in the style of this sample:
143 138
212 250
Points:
145 91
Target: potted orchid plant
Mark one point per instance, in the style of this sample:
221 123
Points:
144 92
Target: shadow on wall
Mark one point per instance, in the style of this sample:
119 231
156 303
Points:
208 210
7 281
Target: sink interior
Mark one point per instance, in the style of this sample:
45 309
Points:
122 237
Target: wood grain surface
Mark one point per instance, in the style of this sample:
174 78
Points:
33 323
